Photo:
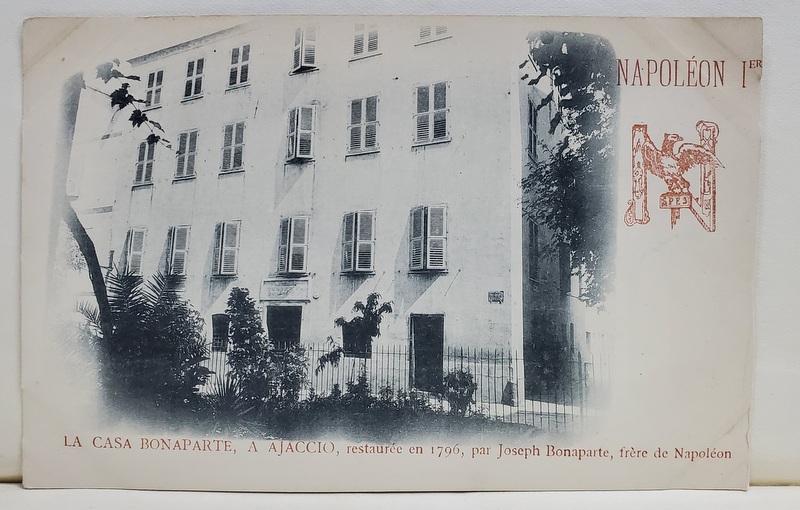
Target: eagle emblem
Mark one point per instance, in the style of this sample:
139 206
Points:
670 163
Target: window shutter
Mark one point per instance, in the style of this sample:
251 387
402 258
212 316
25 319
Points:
348 240
365 248
299 245
227 147
305 138
244 71
356 119
298 48
140 163
283 246
230 248
440 110
148 165
167 262
422 116
291 138
358 41
310 47
437 237
192 155
239 146
182 150
234 74
371 125
372 41
215 269
424 31
198 81
416 237
136 251
180 249
126 253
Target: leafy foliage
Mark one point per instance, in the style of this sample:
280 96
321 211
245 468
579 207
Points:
459 390
155 352
260 371
570 187
364 328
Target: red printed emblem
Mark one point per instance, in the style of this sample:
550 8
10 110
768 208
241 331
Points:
669 164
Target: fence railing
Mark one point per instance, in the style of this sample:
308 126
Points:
506 387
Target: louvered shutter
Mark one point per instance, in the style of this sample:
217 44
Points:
358 41
298 49
215 264
238 148
227 147
310 47
422 117
136 251
372 41
244 70
183 143
371 122
305 132
137 179
440 111
148 166
167 262
198 80
187 91
192 155
157 93
348 240
283 246
291 137
126 253
416 238
234 74
356 119
424 31
365 247
180 249
230 248
298 247
437 238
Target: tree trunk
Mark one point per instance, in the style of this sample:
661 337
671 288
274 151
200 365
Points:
93 264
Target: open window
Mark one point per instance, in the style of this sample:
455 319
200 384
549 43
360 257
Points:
358 242
300 135
304 57
178 241
226 248
134 250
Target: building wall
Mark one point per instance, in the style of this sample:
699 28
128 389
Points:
475 174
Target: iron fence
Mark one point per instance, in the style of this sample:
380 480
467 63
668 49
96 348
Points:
504 386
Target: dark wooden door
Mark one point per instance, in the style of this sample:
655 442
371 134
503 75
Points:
427 345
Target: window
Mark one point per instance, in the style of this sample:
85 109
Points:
428 238
430 118
365 42
293 245
363 129
144 163
300 138
187 154
134 251
226 248
240 66
358 241
220 326
304 57
178 242
430 33
355 342
153 93
232 147
194 78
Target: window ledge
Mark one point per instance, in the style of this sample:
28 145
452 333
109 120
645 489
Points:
432 40
358 273
231 172
427 271
363 57
142 185
299 161
367 152
238 86
191 99
220 276
151 108
290 276
303 70
432 142
183 179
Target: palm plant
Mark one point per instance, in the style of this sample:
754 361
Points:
155 351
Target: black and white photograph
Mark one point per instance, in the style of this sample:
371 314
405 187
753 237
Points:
389 253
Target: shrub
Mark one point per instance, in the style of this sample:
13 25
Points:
459 390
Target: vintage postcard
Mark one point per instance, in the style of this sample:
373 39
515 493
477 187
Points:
389 253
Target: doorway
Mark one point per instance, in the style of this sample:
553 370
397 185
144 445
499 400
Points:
427 348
